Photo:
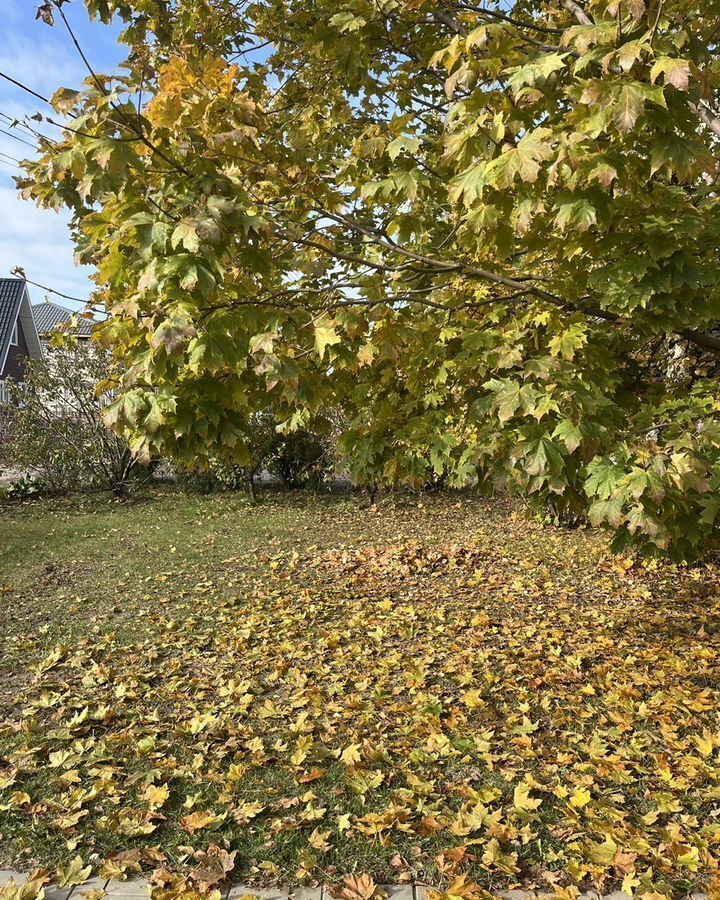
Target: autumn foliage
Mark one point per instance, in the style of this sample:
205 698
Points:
487 233
357 694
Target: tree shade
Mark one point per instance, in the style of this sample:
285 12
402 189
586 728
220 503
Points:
485 235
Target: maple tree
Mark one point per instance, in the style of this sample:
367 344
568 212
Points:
486 232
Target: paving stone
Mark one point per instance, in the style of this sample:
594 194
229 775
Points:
399 891
618 895
422 890
7 875
517 895
307 893
92 884
132 888
55 893
698 895
239 890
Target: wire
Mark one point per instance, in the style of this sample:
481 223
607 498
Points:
17 138
24 87
44 287
11 158
17 123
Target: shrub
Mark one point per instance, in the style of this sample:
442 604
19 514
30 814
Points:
300 459
261 440
55 429
25 488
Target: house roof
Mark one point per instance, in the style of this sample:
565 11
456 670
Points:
11 294
49 315
15 307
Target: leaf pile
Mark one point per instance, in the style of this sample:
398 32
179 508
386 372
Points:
520 707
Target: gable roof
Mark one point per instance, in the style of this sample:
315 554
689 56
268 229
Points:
11 294
49 315
15 307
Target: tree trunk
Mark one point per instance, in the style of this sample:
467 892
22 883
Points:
251 489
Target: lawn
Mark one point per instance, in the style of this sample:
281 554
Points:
436 685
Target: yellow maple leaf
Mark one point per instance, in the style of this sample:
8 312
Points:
351 755
522 798
318 840
580 797
156 795
76 872
197 821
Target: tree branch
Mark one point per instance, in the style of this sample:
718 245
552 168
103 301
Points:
576 10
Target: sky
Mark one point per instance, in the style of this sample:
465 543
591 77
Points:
44 59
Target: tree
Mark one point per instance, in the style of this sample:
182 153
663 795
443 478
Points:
260 442
55 428
485 232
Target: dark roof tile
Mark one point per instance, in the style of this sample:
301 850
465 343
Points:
11 294
49 315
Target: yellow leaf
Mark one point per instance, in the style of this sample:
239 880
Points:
200 820
580 797
318 840
351 755
75 873
156 795
522 798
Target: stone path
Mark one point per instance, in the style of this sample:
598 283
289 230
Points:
138 889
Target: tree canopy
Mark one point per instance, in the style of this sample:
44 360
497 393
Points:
485 232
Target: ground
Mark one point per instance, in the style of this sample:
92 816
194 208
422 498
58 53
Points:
436 685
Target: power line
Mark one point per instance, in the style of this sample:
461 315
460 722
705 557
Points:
44 287
18 138
14 121
18 123
11 158
24 87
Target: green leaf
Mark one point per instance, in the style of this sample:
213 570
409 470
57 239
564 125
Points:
523 161
535 72
578 215
347 21
411 145
569 341
172 334
185 233
569 433
603 476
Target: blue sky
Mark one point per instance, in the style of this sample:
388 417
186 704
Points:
44 59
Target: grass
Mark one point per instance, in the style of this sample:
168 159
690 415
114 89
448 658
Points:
433 686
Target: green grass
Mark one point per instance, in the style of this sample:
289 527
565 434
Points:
389 685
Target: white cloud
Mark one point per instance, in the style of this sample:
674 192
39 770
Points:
37 63
39 241
43 59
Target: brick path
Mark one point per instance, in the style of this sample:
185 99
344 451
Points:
137 889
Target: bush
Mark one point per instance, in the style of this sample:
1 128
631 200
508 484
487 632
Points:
300 459
55 429
25 488
261 439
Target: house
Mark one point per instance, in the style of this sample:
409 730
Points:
49 316
19 339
